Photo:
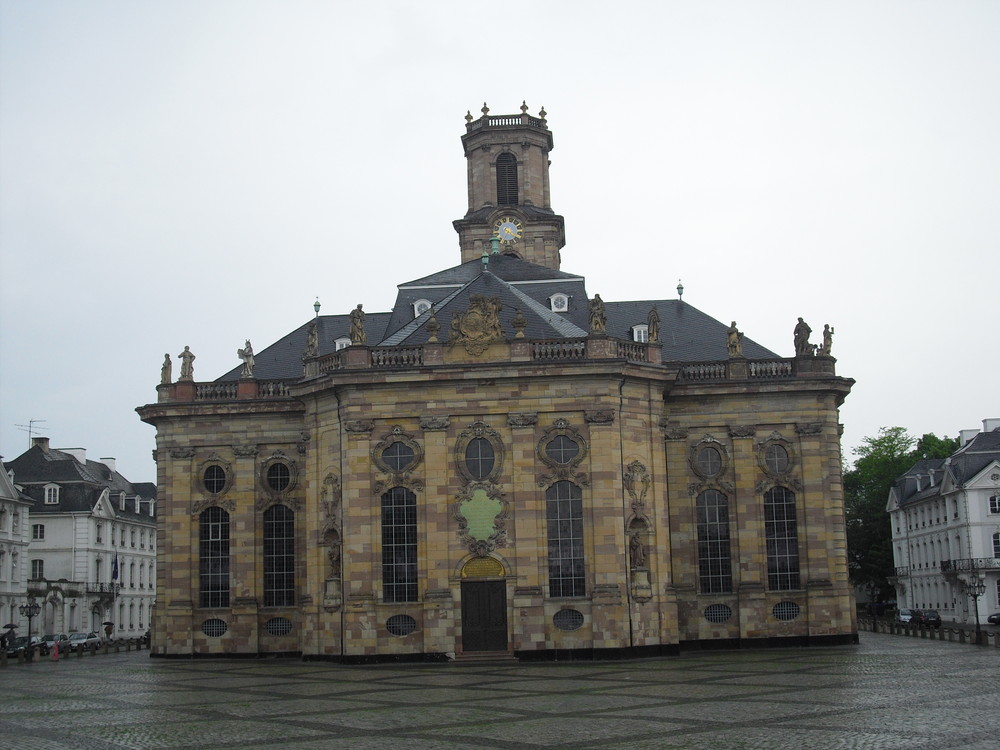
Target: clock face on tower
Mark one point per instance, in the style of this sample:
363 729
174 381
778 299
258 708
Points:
508 229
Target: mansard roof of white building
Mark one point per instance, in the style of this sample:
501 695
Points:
80 482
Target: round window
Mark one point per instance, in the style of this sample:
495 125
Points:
776 458
398 456
709 461
718 613
400 625
562 449
278 477
215 479
278 626
479 458
214 628
568 619
785 611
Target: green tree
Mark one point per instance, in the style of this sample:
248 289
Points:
881 459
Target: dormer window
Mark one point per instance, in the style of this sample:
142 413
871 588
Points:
51 494
342 343
121 501
640 333
420 307
559 302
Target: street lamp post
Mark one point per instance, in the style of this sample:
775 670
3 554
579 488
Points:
29 610
976 587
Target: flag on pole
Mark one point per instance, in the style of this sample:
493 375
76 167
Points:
114 569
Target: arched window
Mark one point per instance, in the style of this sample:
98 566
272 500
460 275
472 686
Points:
279 556
506 180
781 533
399 545
564 515
479 458
714 565
213 553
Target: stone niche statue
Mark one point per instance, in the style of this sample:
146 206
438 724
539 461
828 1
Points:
358 335
187 364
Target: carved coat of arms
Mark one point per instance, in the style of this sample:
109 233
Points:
479 326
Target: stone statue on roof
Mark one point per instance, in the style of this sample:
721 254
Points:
801 339
653 326
734 341
598 320
246 354
827 340
358 335
165 370
187 364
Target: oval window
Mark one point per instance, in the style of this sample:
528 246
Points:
709 461
718 613
278 626
278 477
214 628
568 619
785 611
479 458
400 625
776 458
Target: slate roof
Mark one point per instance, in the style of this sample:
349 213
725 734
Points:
80 484
969 460
687 334
905 486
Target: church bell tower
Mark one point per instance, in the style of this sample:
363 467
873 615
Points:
508 173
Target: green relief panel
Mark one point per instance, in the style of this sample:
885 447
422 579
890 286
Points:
480 512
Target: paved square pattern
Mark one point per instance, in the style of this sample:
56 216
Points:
887 692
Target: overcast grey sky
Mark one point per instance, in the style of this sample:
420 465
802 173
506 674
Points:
197 173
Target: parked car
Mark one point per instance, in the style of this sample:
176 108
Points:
994 619
84 640
930 618
52 639
905 615
21 643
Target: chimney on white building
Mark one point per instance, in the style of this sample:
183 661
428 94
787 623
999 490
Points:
80 454
989 425
109 462
41 442
964 436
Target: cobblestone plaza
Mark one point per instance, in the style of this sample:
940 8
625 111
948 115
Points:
887 692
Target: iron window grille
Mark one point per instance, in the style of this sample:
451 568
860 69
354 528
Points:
213 555
279 556
564 515
714 562
399 545
781 534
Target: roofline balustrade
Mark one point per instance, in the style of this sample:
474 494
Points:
593 347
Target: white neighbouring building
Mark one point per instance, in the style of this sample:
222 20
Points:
14 510
945 516
85 516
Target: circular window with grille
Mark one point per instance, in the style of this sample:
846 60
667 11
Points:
278 626
709 461
400 625
214 628
562 449
568 619
718 613
776 458
785 611
214 479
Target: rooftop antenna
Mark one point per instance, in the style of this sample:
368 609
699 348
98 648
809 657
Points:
680 290
30 429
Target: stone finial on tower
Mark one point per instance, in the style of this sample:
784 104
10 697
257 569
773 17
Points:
542 113
524 107
485 110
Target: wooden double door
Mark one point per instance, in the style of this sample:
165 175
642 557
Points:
484 616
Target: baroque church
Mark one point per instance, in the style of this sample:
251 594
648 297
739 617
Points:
502 466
